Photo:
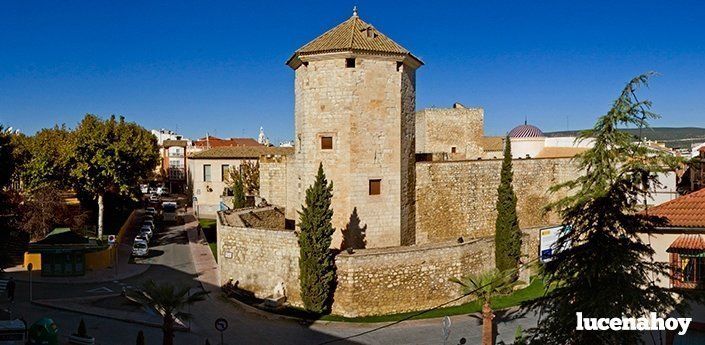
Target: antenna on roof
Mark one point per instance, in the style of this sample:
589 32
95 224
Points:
354 11
526 120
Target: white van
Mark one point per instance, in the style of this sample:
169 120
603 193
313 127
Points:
140 247
169 211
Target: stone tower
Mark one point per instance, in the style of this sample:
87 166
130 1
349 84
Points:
355 98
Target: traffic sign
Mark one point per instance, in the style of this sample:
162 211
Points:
221 324
111 239
29 267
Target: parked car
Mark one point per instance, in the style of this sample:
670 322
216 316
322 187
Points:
151 211
150 223
148 230
154 198
140 247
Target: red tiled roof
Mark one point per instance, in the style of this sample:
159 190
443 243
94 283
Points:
218 142
687 243
685 211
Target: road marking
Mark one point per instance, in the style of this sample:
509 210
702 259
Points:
100 289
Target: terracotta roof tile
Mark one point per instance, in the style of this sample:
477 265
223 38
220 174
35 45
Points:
687 243
241 152
352 35
685 211
217 142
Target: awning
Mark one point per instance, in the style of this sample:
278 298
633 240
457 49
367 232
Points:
688 245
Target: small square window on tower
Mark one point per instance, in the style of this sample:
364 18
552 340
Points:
350 62
375 186
453 150
326 143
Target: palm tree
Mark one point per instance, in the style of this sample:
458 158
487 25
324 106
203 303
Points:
485 286
170 301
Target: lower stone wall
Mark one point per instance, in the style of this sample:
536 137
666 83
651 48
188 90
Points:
370 281
259 259
404 279
458 198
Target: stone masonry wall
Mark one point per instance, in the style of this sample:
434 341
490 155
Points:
403 279
368 112
441 129
259 259
370 281
272 177
457 198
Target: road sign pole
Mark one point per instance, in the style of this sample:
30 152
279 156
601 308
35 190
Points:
29 269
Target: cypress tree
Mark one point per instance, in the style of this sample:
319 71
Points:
140 338
316 261
507 235
238 193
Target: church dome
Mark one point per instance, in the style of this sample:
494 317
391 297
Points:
526 131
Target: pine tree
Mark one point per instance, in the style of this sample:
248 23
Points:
316 261
238 193
507 235
602 268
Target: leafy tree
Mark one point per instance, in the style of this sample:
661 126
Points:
602 268
43 210
7 163
248 172
49 153
170 301
485 287
238 194
507 234
111 156
316 261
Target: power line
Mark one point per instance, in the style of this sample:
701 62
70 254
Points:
427 310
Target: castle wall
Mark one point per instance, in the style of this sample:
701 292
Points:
368 112
404 279
273 181
441 129
259 259
457 198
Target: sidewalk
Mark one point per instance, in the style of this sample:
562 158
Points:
203 259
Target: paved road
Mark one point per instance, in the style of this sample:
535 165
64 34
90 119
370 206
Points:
172 262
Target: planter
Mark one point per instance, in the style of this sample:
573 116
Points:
78 340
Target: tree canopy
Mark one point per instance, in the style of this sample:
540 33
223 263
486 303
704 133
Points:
602 267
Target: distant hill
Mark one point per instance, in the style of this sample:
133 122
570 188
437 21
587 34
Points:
673 137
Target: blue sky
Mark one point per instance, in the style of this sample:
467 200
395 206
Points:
218 67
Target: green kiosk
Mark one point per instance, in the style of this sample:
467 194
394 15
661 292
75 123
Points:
64 252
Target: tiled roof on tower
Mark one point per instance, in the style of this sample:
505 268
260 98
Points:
352 35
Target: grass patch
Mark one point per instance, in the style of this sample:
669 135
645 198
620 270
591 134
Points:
534 290
214 249
210 232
